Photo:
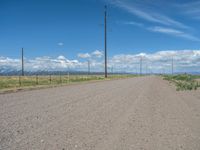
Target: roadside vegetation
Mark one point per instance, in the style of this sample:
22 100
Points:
21 82
184 81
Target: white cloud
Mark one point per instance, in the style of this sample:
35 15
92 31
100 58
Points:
173 32
147 11
133 23
97 53
190 8
165 30
60 44
61 57
84 55
137 8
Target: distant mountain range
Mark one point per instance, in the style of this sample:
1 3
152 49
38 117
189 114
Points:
5 70
8 71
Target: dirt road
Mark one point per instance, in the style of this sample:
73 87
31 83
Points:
144 113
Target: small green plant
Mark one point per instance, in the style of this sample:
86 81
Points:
183 81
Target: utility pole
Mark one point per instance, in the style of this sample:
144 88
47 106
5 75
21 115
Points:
163 71
140 65
88 67
146 68
172 65
22 62
112 70
105 34
68 73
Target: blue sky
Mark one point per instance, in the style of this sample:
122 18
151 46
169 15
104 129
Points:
69 28
39 26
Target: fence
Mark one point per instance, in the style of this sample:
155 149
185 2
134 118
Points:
35 80
7 82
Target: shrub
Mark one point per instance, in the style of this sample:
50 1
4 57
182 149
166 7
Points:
183 82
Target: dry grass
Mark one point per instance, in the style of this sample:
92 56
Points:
20 82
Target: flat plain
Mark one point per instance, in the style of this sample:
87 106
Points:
141 113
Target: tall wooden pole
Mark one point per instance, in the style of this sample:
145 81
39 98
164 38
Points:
105 34
22 62
141 65
172 65
88 67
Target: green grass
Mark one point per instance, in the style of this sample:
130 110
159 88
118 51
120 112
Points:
19 82
184 81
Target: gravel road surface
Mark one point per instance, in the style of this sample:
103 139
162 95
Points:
143 113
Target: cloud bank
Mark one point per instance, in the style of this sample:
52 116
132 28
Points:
39 64
159 62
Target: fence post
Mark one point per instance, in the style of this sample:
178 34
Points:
37 79
60 78
20 81
68 77
50 78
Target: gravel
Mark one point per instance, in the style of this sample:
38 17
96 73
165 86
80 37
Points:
142 113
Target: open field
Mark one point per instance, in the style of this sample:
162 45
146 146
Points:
145 113
20 82
184 81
